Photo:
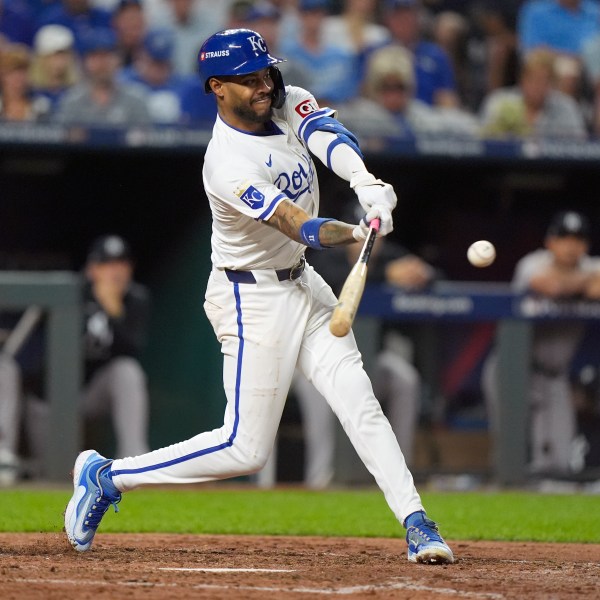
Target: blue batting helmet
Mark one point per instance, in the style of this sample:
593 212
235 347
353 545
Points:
233 52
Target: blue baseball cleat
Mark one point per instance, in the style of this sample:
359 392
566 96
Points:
91 498
425 544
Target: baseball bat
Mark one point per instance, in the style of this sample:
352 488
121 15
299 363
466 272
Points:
345 310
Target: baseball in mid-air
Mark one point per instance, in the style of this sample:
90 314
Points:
481 253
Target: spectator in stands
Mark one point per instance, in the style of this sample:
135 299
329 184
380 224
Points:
264 17
435 79
481 43
570 79
153 72
356 28
562 269
16 22
267 19
129 24
116 312
318 64
218 10
389 106
288 21
100 99
591 62
534 107
396 382
191 22
450 30
80 16
17 102
356 31
237 15
564 27
55 66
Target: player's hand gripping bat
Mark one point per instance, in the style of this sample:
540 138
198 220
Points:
345 311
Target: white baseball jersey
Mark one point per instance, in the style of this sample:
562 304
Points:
539 260
252 174
269 326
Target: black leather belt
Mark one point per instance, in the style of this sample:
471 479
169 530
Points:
282 274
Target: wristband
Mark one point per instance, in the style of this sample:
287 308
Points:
309 232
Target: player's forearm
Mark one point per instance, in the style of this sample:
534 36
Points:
592 288
556 284
336 233
289 219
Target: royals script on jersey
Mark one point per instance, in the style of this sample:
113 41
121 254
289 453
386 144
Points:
247 175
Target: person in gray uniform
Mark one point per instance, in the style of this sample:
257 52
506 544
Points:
116 312
562 269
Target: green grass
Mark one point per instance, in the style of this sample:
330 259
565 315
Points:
466 516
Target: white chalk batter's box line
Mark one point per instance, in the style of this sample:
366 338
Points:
398 583
225 570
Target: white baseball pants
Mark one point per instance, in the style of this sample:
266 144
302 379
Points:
10 409
397 386
552 417
266 329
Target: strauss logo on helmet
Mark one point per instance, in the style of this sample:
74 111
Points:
216 54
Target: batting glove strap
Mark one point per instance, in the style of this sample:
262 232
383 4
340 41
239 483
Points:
360 232
361 178
371 191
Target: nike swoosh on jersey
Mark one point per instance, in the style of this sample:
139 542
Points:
270 161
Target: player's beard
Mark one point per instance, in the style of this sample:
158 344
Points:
247 113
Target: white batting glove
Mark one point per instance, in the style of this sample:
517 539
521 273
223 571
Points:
371 191
386 224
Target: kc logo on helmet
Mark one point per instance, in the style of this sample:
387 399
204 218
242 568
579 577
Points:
258 44
307 107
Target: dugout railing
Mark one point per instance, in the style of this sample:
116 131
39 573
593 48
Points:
58 295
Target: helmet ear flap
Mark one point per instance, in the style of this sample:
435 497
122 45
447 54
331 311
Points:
278 95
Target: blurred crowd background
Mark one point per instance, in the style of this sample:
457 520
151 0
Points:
493 68
452 72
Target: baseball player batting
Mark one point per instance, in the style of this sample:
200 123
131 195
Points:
269 309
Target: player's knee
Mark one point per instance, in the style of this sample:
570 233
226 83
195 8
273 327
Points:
255 463
251 460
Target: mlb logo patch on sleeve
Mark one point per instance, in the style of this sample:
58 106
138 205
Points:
252 197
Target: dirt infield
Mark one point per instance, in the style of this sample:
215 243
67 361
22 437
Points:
224 567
